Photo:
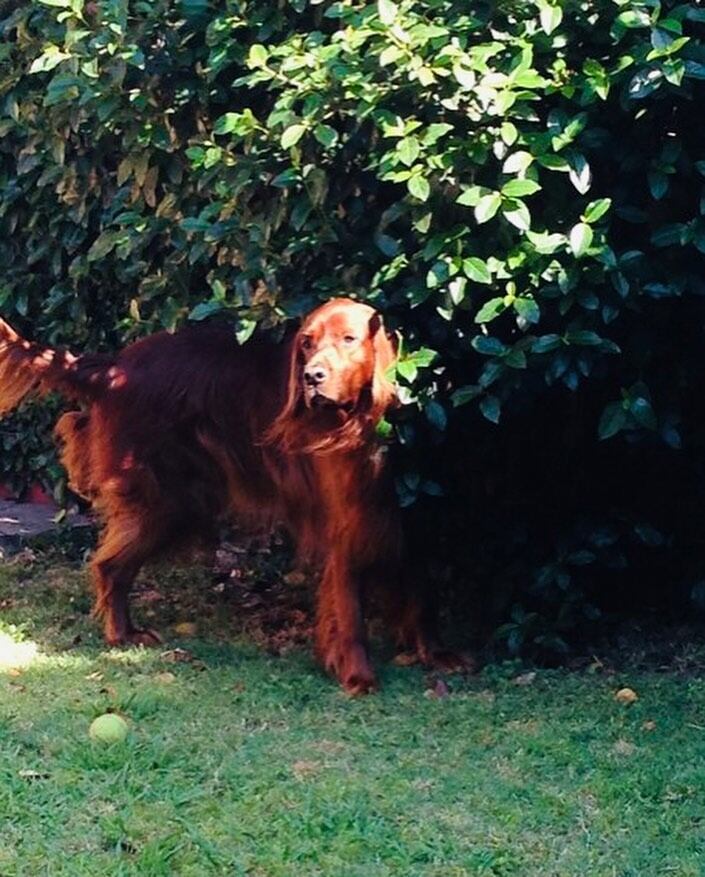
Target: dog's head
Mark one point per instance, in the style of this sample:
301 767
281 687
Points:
337 381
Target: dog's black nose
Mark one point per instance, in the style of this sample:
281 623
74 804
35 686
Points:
315 376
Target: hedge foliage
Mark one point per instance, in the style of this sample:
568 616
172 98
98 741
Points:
518 186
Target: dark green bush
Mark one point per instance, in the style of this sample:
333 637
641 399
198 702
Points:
518 186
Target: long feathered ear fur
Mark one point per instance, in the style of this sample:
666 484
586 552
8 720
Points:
384 394
280 430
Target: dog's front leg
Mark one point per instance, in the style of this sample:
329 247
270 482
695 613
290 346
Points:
341 638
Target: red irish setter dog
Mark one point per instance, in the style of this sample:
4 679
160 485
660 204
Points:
179 431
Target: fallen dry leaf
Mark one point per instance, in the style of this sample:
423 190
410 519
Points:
28 774
423 785
295 578
649 725
186 628
330 747
623 747
165 678
626 696
177 656
406 659
595 665
305 768
149 595
25 556
525 678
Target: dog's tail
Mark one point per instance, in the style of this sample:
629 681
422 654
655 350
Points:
26 367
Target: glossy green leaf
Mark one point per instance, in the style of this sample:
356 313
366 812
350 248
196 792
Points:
520 188
387 11
292 135
596 210
487 207
326 135
527 309
580 238
550 16
518 162
419 187
518 214
257 56
436 414
408 150
477 270
491 309
612 421
491 408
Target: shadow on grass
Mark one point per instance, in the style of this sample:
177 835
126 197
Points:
243 759
249 611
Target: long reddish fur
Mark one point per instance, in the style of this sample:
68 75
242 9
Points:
179 431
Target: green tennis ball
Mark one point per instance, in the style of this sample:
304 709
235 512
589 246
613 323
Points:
108 728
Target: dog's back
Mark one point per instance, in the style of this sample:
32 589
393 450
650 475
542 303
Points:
172 423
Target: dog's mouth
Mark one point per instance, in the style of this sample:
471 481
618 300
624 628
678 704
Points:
319 402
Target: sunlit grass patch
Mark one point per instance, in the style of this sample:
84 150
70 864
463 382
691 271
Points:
16 652
243 762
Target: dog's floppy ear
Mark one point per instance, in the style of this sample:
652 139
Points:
294 392
384 392
279 431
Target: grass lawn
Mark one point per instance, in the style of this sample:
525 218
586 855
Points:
245 762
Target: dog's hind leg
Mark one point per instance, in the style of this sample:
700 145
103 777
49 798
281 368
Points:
123 549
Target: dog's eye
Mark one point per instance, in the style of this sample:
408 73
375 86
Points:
306 343
349 339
